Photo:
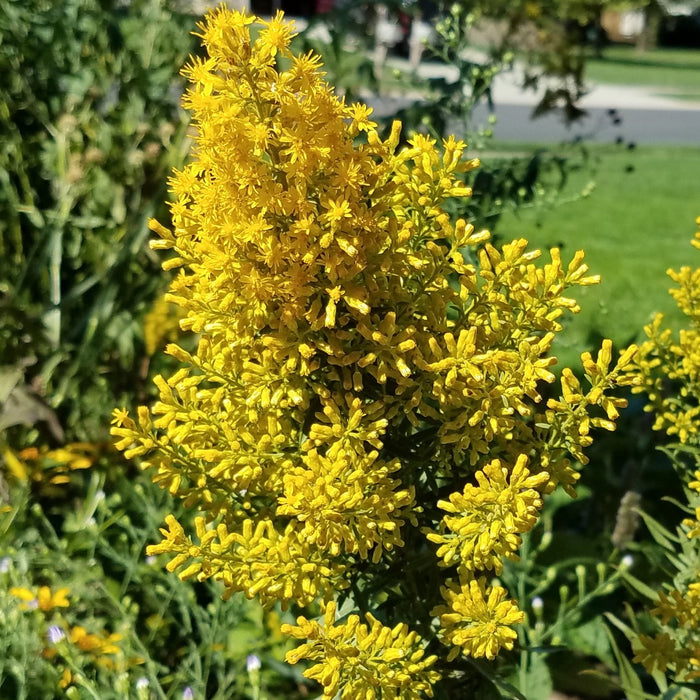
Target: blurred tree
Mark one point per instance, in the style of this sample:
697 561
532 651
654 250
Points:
653 14
553 38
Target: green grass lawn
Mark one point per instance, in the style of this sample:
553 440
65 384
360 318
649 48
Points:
676 71
637 223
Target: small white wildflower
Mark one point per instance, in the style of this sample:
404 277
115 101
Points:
627 561
5 564
55 634
142 683
188 693
252 663
150 560
537 604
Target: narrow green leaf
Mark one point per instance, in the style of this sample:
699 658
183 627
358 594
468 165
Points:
660 534
537 679
506 689
625 629
681 506
632 616
661 682
629 681
639 586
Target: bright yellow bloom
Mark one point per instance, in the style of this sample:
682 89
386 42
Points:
257 561
570 418
669 368
43 599
94 644
486 519
275 35
477 619
347 503
160 325
363 660
360 114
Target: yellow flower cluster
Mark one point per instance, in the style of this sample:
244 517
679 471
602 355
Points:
161 325
487 517
259 560
360 356
677 645
353 657
50 469
670 367
694 525
477 619
679 650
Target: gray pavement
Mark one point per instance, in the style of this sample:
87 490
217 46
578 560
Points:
637 125
631 113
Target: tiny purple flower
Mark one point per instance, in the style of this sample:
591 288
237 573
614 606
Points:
188 693
55 634
252 663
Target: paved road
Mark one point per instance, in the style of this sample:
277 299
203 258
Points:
639 115
641 126
601 125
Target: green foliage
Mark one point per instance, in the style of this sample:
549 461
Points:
565 580
87 535
674 72
92 128
664 638
88 109
552 39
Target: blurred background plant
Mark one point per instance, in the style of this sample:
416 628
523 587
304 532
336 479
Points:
83 612
91 124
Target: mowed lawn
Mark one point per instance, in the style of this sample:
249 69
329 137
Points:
674 72
637 222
